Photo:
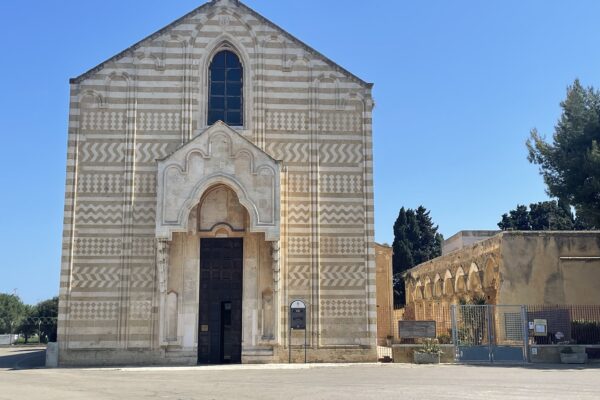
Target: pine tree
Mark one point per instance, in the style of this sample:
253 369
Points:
416 240
542 216
570 163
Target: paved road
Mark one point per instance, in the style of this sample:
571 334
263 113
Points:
22 357
365 381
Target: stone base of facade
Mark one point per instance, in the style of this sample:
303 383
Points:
108 358
336 354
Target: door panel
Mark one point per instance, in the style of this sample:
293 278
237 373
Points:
220 303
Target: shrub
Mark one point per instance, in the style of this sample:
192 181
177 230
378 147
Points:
430 346
585 332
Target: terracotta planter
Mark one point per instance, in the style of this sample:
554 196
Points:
573 358
426 358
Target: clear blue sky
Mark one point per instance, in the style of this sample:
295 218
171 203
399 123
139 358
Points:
458 86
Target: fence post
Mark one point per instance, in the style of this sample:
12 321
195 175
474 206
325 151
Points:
525 333
454 331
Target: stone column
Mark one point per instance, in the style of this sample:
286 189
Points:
275 247
162 274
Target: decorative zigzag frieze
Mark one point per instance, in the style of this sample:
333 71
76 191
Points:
299 213
286 121
144 214
98 246
333 153
289 151
342 245
299 276
94 277
141 279
332 308
341 276
341 183
99 214
339 122
150 152
103 121
103 152
159 121
100 183
342 214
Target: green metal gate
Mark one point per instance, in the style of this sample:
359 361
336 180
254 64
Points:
490 333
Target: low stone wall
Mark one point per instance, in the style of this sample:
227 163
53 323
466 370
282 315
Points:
550 354
403 353
7 340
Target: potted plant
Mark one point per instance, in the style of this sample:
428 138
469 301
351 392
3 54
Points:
568 356
428 353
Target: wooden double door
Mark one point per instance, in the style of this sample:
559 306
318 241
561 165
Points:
220 302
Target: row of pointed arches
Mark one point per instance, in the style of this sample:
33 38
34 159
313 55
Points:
453 282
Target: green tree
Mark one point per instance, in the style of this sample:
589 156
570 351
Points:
545 215
12 311
517 219
429 240
416 240
47 312
551 215
570 164
27 327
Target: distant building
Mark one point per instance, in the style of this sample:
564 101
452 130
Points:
385 291
516 267
463 239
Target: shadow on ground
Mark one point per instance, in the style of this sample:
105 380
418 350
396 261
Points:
22 358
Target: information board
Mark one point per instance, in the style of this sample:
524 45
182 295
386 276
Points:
416 329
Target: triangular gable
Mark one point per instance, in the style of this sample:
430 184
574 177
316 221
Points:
204 8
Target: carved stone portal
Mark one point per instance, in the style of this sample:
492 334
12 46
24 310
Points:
219 155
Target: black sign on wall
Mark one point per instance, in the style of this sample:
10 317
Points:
298 315
297 322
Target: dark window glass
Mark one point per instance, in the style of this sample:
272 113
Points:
225 101
234 75
234 118
233 103
217 102
234 89
218 75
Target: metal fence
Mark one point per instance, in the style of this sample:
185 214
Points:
575 324
30 329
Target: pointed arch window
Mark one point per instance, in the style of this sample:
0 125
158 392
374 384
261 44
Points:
225 101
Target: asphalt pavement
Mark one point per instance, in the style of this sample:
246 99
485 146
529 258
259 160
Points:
20 379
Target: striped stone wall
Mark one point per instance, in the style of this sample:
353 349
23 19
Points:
144 103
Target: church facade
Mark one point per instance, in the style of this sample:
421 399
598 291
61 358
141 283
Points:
217 170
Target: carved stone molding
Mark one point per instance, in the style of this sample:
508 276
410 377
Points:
162 263
276 267
218 156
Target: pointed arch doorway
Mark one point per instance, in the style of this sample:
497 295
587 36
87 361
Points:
217 231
